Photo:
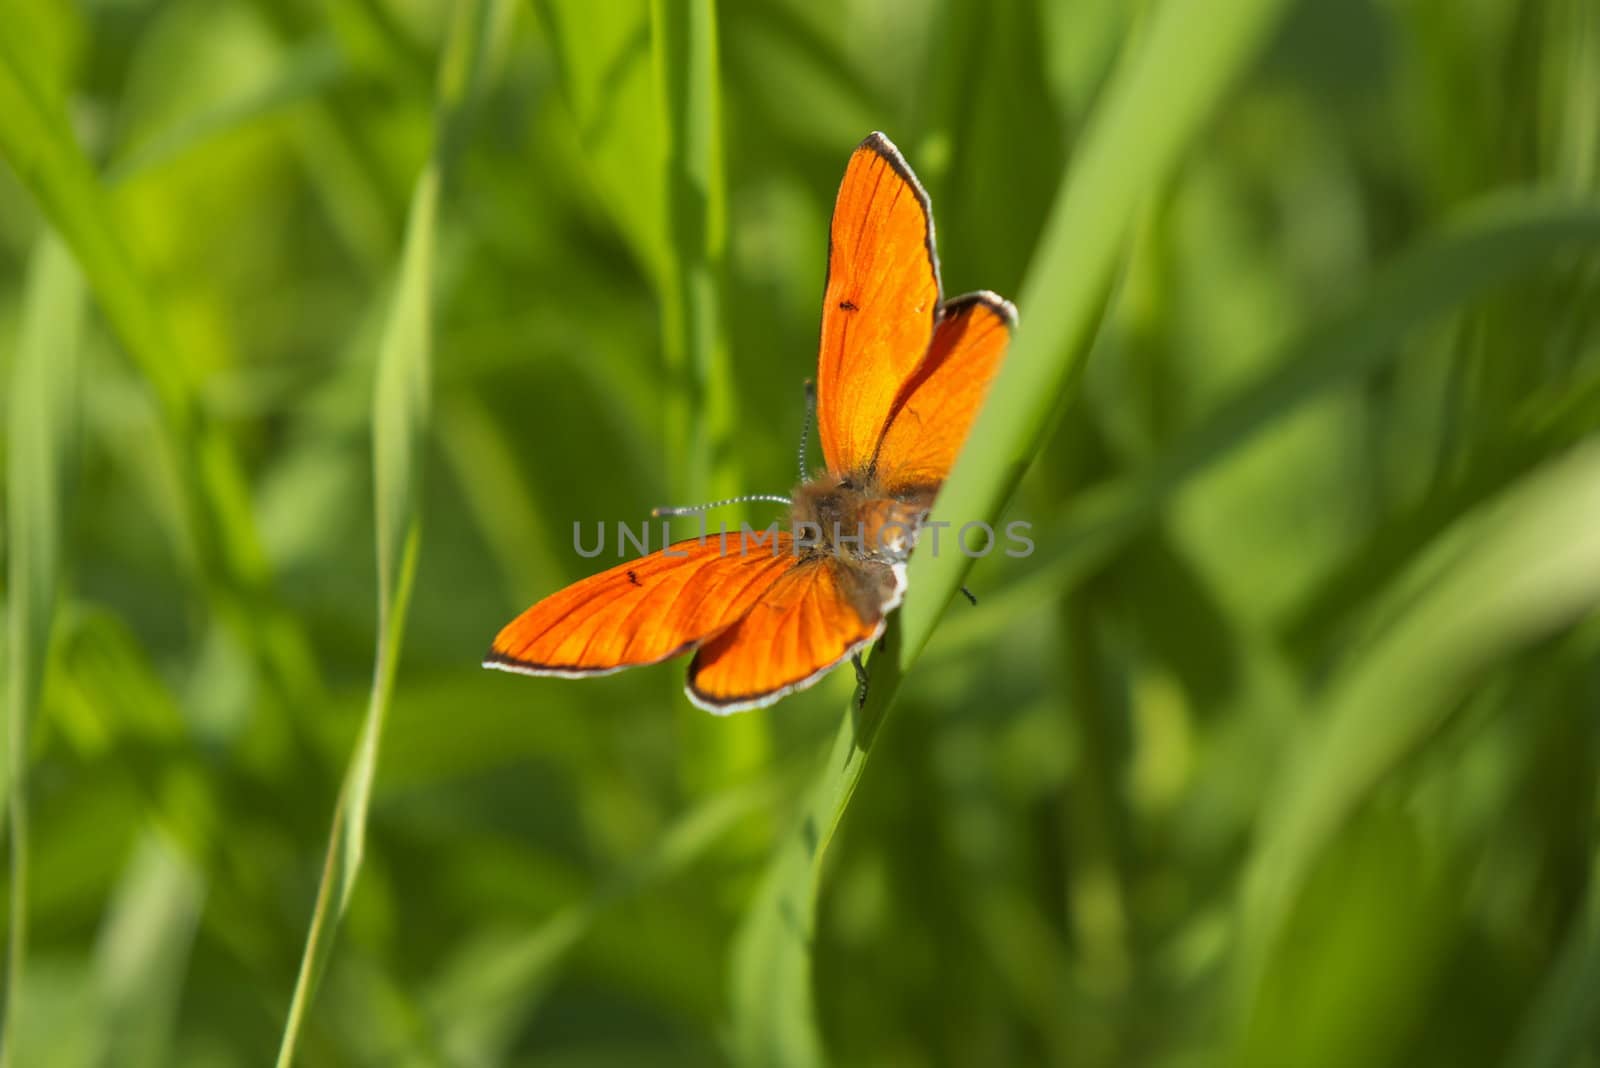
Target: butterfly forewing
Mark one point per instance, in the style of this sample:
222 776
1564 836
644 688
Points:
879 304
643 611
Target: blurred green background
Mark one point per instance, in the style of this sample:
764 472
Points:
1280 750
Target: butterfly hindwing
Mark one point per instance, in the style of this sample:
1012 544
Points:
803 625
930 417
644 611
880 302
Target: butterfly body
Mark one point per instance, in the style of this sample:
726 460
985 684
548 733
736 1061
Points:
856 519
900 377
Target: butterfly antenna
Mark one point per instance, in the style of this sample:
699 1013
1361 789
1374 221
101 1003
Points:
805 427
696 509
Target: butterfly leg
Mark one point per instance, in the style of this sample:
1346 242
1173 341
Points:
972 597
861 679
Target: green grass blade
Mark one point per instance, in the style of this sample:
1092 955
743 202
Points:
773 1018
37 141
1491 243
399 411
307 70
1523 566
143 951
399 419
1156 105
1563 1014
42 428
699 394
1158 102
479 999
702 464
603 58
487 468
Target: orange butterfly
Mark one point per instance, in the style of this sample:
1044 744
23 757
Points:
899 379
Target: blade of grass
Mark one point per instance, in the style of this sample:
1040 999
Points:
699 395
1157 103
37 141
142 953
479 997
307 71
701 463
1491 242
42 427
399 412
1562 1017
399 419
1515 570
340 149
602 55
488 473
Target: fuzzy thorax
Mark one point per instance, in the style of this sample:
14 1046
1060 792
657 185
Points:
852 517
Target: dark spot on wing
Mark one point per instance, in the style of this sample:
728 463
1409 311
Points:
846 305
633 578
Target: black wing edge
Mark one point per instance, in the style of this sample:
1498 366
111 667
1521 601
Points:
885 149
995 302
505 662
